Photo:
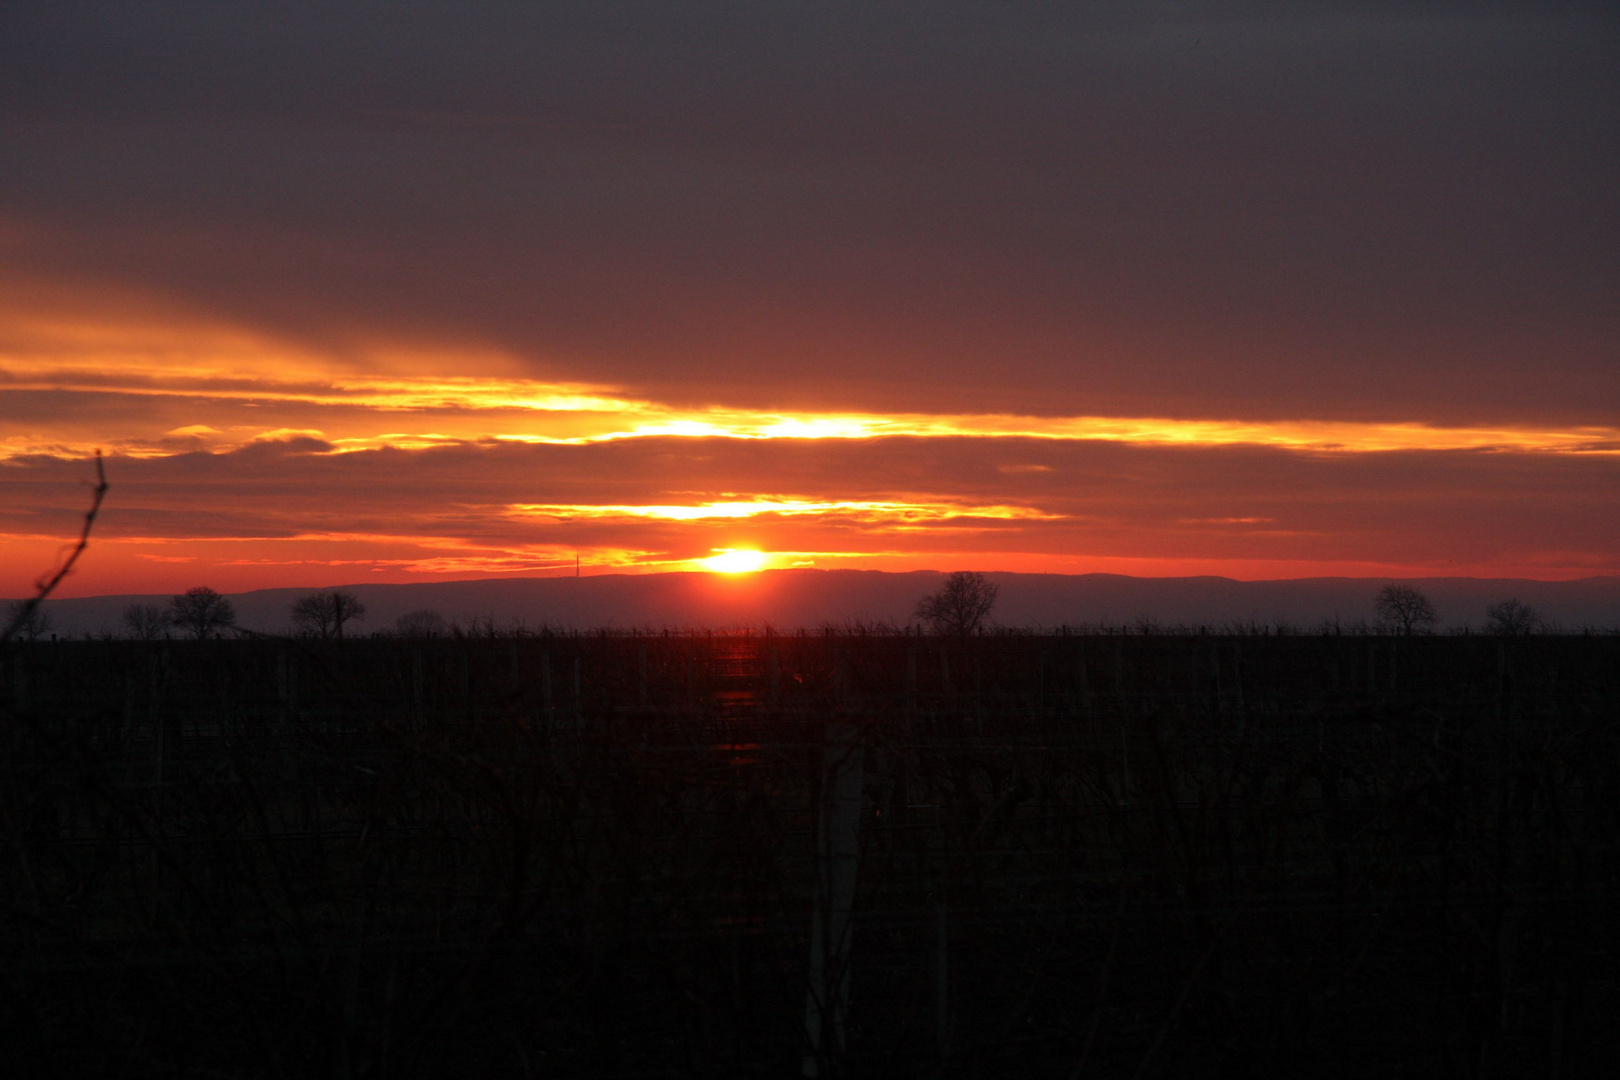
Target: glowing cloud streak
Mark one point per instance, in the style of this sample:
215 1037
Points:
739 509
1305 435
360 412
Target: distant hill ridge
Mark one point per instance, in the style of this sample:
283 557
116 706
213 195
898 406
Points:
790 599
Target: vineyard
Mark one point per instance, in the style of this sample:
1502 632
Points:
818 854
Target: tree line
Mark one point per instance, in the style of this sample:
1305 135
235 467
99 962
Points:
961 606
201 612
1404 608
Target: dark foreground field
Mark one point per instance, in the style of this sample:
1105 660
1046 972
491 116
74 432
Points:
869 856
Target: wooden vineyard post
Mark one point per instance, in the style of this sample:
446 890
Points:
911 684
281 686
978 687
466 684
776 677
545 689
942 981
293 700
156 672
158 675
416 689
19 682
1082 681
579 702
838 853
1124 732
1504 713
129 706
1237 689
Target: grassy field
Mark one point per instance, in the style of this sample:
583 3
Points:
1070 855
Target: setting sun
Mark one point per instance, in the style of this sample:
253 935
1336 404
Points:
735 561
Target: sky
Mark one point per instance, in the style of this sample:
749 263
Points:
406 291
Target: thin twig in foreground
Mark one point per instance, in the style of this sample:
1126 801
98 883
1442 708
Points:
44 586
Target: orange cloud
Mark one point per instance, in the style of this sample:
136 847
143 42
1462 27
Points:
360 412
252 462
281 513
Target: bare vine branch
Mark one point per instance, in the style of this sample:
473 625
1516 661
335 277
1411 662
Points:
45 585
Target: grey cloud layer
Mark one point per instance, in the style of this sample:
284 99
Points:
1330 210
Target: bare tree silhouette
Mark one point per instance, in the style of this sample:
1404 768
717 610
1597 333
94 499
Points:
145 622
312 615
1405 607
960 606
324 613
423 622
28 621
1512 618
201 611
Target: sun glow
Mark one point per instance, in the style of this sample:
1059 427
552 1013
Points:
735 561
